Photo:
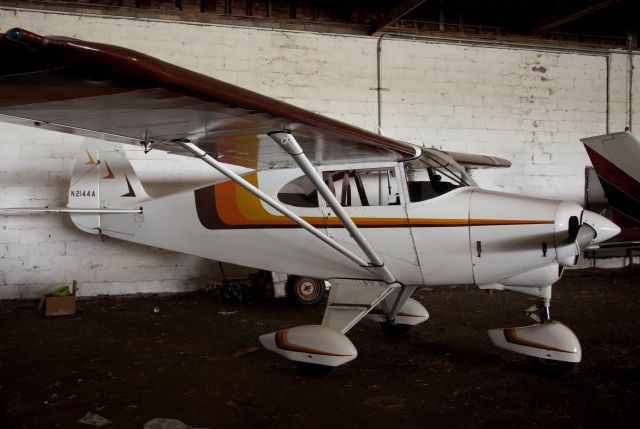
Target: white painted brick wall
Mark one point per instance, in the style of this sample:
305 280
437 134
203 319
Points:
503 102
530 107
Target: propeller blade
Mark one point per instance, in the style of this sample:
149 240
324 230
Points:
580 237
584 237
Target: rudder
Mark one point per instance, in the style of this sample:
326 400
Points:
102 178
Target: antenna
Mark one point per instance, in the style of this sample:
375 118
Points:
369 111
415 123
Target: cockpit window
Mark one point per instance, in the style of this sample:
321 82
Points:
352 188
434 174
364 187
300 192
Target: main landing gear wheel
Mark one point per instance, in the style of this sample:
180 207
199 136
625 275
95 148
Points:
395 329
314 370
551 368
306 290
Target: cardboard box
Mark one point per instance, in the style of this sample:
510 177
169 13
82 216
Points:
52 306
58 305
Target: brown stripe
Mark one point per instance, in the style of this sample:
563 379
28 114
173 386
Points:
205 200
512 337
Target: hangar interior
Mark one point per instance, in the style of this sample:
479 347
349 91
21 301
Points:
519 81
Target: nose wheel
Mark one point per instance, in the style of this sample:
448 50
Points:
552 349
541 313
314 370
551 368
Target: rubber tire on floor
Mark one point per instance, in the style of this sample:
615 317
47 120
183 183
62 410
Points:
314 370
395 329
551 368
299 295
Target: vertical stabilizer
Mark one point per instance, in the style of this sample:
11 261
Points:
102 178
616 159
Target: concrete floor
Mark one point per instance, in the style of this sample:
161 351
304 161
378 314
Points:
118 358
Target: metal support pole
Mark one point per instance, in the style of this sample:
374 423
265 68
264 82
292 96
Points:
379 76
403 295
608 93
199 153
291 146
630 125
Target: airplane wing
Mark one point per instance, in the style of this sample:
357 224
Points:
470 160
117 94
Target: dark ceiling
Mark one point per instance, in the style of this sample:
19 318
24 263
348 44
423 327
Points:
593 21
601 22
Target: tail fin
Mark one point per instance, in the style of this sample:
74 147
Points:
616 158
102 178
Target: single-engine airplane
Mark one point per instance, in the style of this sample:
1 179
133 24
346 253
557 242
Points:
302 194
616 159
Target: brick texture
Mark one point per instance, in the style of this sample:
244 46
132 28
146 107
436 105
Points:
527 106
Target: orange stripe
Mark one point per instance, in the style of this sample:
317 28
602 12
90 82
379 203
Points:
251 207
226 204
238 207
248 209
480 222
369 221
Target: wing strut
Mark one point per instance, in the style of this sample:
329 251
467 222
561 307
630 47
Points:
349 301
199 153
289 144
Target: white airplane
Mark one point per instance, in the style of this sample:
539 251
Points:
301 194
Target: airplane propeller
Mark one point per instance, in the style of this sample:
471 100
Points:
585 232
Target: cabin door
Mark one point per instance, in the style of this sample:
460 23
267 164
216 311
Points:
374 199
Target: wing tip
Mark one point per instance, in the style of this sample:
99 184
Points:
14 34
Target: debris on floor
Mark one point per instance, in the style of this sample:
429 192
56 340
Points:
245 351
162 423
94 420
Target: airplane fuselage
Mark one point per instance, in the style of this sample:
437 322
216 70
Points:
431 226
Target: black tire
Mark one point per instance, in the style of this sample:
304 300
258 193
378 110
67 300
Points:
306 290
314 370
234 293
395 329
551 368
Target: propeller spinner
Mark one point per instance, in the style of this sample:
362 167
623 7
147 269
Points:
591 229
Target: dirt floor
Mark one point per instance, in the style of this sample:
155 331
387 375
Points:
122 360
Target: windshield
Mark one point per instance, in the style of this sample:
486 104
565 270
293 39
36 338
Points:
433 174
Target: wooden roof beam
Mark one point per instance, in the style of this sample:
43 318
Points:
396 12
576 15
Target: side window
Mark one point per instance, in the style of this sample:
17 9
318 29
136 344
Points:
364 187
419 184
300 192
425 181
